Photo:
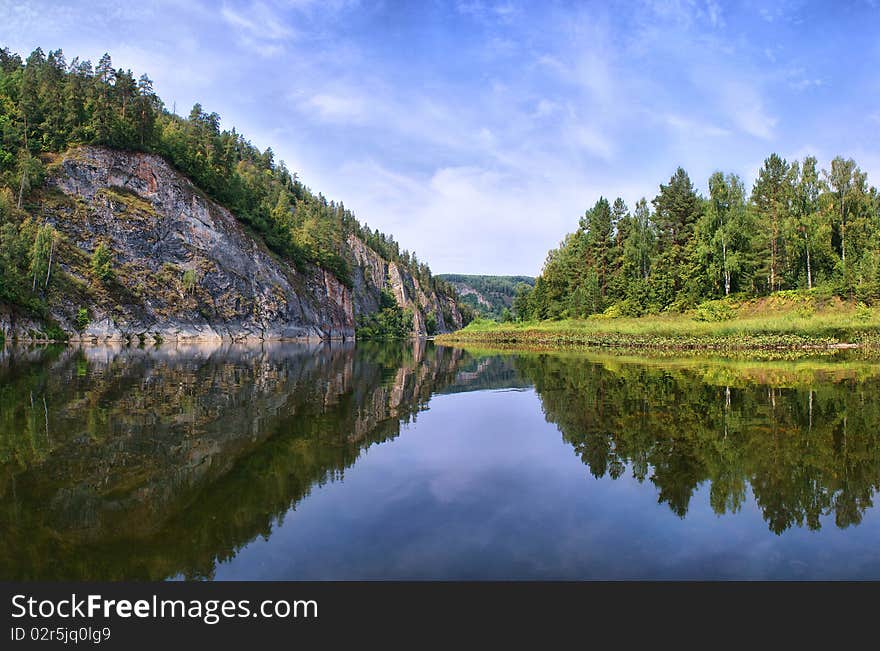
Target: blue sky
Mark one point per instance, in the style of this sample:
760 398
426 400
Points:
477 132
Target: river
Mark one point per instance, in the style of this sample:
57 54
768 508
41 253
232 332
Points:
415 461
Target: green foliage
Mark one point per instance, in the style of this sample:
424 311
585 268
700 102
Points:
487 296
82 319
26 251
718 442
41 255
55 333
714 311
101 263
431 323
386 299
797 229
468 313
189 280
390 322
15 242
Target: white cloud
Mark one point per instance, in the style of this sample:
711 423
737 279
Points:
739 102
259 20
487 11
693 127
806 84
713 9
749 115
331 107
591 140
545 108
685 14
259 28
800 80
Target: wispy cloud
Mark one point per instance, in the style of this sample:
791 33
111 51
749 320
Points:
591 140
744 107
713 10
487 10
800 79
259 28
348 109
693 127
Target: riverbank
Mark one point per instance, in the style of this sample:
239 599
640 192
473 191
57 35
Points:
795 322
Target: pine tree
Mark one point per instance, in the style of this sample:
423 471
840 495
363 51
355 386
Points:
806 213
677 209
102 103
145 107
771 197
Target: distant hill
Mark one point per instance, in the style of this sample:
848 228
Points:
487 295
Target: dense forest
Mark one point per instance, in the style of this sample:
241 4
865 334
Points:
48 105
489 296
799 228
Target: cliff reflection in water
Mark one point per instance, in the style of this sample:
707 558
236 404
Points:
124 463
129 463
803 436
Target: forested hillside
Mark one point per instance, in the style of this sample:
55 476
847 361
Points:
49 105
799 227
489 296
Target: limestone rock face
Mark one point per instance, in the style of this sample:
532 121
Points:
372 273
186 269
13 324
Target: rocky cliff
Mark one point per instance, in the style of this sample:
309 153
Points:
372 273
184 268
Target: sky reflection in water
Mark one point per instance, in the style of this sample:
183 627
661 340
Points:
422 462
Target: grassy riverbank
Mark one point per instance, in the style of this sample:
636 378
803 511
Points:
784 321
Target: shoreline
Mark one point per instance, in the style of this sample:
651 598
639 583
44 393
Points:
661 344
176 341
679 334
837 353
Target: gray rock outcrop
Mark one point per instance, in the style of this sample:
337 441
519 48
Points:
186 269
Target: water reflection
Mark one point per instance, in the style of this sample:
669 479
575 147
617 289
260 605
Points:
132 463
127 463
804 436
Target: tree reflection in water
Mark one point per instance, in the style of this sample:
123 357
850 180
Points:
804 436
126 463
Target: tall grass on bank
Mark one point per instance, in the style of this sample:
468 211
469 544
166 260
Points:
787 322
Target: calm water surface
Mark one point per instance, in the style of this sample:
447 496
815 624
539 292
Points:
421 462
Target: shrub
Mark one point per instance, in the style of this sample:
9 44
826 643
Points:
102 259
190 280
82 319
714 311
431 323
390 322
55 333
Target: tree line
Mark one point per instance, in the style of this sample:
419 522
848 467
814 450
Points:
48 105
798 228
